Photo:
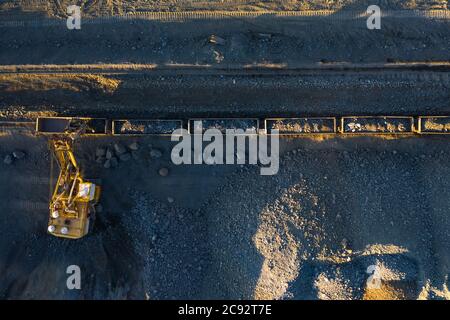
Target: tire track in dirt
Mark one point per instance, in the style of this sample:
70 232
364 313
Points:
115 15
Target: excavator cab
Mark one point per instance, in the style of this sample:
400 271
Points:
73 199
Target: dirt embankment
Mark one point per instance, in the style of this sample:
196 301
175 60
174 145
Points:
71 83
186 96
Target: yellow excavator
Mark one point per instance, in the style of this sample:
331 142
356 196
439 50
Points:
73 199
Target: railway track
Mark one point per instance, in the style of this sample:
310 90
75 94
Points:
147 90
227 69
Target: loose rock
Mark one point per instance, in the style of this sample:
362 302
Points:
107 164
109 153
120 149
155 153
125 157
8 159
134 146
100 160
114 162
135 155
163 172
216 40
100 152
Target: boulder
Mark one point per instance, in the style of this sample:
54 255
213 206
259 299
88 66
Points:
107 164
109 153
114 162
8 159
135 155
119 148
100 160
163 172
134 146
100 152
216 40
125 157
18 154
155 153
